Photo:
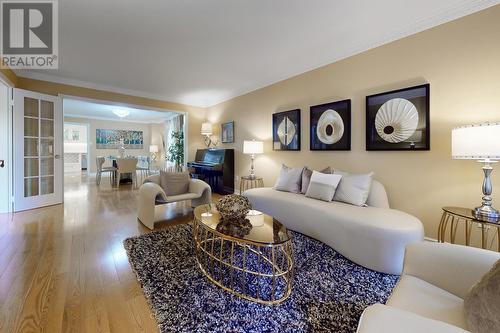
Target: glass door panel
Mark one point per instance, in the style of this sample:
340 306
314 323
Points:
30 187
30 147
47 185
47 110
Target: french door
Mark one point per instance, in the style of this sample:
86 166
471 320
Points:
38 150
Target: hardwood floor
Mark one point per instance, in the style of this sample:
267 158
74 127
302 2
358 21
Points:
63 268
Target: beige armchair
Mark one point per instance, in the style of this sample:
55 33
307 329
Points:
429 296
153 200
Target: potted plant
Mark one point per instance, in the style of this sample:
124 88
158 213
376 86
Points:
176 150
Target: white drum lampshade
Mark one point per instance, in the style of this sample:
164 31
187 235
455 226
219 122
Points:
476 142
252 147
206 129
479 142
153 148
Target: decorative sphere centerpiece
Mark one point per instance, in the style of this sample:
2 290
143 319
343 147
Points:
233 209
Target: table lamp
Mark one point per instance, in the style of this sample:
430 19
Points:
153 149
206 130
252 147
482 143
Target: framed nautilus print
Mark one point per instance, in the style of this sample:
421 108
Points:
398 120
330 126
286 130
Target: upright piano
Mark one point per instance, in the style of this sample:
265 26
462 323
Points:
216 167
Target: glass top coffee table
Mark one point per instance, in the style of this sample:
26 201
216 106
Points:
257 266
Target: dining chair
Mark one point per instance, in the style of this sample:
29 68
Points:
144 166
127 165
102 169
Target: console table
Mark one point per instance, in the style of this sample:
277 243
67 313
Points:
454 216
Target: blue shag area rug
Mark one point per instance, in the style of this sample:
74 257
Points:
329 291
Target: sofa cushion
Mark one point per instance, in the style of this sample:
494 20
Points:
306 177
353 188
323 186
174 183
289 179
418 296
379 318
482 303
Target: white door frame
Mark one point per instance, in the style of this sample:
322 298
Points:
135 106
6 142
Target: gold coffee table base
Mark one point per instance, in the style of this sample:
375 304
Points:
255 271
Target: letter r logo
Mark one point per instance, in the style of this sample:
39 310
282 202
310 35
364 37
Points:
27 27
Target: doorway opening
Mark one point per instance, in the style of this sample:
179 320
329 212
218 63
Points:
98 133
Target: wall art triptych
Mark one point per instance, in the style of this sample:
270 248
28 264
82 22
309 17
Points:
395 120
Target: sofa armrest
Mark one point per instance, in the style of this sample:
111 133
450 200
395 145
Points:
152 179
382 318
203 191
454 268
148 193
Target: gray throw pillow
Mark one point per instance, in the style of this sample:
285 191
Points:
353 188
482 303
323 186
306 177
174 183
289 180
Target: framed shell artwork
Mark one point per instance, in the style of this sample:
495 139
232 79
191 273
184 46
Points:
330 126
286 130
398 120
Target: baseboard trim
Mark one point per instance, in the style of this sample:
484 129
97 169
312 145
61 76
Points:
429 239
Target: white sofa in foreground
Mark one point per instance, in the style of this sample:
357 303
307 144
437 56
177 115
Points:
374 237
429 295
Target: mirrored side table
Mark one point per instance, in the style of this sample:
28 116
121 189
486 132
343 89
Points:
247 182
453 217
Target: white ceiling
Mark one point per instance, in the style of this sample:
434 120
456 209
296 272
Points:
86 109
204 52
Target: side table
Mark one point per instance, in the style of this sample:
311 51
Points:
453 216
247 182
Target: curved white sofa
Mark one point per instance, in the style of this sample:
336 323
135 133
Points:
374 237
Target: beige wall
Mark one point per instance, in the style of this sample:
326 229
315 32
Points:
109 124
460 60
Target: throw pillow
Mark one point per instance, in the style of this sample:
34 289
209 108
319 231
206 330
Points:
323 186
289 179
353 188
482 303
174 183
306 177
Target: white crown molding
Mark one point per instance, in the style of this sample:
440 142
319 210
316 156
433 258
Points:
84 116
453 13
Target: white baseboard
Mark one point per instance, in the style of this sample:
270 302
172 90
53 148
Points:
429 239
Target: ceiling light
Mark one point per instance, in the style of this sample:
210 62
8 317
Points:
121 113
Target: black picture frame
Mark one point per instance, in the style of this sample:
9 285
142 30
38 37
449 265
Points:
397 103
281 122
227 132
319 115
